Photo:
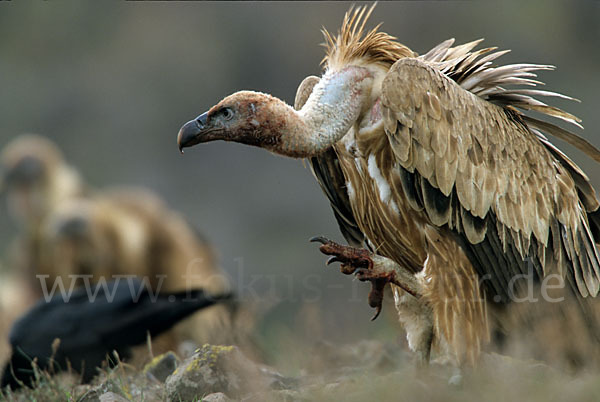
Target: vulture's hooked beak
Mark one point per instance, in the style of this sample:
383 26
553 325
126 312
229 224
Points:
191 132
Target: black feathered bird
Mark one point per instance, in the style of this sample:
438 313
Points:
120 316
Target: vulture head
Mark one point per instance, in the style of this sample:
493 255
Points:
240 117
346 96
34 176
71 241
337 102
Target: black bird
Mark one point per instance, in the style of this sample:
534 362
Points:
120 316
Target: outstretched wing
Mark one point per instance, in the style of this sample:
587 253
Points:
326 169
489 174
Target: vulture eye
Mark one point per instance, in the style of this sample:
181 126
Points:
227 113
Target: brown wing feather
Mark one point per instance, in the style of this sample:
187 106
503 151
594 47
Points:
512 196
325 167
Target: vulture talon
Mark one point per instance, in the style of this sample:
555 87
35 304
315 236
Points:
319 239
358 262
377 312
361 274
376 295
333 259
347 269
347 255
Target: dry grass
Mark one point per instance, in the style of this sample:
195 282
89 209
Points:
498 378
375 369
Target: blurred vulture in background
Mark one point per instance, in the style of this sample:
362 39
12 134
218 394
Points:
132 232
443 186
35 181
68 231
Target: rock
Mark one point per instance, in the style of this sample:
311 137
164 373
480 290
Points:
288 396
187 348
112 397
216 369
332 386
456 380
161 366
367 354
277 396
520 368
95 394
216 397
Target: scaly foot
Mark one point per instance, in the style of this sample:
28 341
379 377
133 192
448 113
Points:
380 270
366 266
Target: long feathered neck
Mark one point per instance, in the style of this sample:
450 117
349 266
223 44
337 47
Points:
335 104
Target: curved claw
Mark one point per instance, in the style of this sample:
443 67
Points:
377 312
358 262
376 296
333 259
361 274
319 239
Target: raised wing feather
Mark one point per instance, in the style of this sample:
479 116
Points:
480 170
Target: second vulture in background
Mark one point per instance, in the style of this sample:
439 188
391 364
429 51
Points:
71 233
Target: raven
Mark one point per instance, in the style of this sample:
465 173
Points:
92 323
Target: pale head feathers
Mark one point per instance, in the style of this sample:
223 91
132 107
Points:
353 46
34 146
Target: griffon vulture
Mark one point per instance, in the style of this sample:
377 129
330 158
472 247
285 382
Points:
35 180
132 232
430 162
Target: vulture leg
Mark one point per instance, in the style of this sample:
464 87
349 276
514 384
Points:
368 266
416 315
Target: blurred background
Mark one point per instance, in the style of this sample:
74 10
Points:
111 83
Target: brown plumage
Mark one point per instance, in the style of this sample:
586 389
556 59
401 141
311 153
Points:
130 231
429 161
67 229
15 299
35 179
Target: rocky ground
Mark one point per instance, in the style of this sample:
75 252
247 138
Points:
364 371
